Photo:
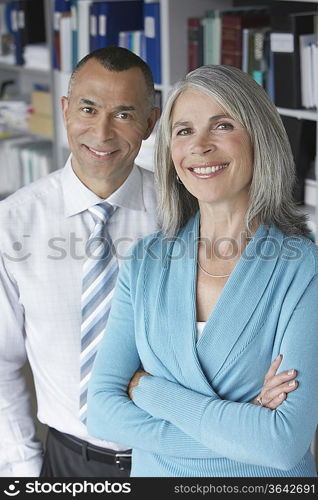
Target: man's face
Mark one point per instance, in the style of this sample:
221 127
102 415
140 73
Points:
106 117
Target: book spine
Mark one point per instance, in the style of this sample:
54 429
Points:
231 41
193 43
153 38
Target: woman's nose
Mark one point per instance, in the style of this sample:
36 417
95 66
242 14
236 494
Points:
203 143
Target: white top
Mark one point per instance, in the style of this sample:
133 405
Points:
44 228
200 326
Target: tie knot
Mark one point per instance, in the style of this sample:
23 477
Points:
101 212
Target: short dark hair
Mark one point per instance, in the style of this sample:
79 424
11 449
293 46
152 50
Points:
118 59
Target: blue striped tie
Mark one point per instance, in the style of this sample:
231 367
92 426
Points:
99 276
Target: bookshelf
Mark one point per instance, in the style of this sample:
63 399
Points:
173 48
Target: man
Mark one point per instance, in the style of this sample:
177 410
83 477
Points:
45 229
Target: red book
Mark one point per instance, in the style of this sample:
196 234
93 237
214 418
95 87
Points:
231 41
193 42
231 34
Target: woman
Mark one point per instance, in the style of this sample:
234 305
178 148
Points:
205 306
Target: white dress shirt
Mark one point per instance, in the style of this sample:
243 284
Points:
44 228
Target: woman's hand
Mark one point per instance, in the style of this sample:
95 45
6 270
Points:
135 380
276 386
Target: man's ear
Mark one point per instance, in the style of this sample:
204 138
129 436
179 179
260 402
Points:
151 121
64 107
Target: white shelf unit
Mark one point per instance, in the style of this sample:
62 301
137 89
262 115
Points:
174 42
26 77
173 20
311 209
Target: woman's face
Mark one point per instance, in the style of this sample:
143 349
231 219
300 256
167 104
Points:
212 153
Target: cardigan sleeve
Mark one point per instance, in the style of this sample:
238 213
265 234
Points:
242 431
111 414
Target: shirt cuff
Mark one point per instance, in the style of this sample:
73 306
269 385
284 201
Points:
29 468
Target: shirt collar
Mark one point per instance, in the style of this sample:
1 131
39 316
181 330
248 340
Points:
77 197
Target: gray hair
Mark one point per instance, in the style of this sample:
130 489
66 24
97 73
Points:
271 191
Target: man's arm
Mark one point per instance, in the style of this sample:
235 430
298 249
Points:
21 453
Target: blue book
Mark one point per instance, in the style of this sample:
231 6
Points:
102 24
153 38
119 16
93 21
17 30
74 16
60 7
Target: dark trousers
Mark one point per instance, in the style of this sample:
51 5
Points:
81 461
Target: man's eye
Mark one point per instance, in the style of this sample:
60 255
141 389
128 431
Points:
87 110
123 116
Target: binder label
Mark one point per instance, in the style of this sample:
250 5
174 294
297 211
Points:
102 24
57 21
93 26
21 20
14 20
282 42
74 18
150 30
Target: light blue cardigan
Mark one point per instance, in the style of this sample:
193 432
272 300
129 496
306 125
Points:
192 417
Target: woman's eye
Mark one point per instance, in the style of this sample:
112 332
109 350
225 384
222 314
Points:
224 126
184 131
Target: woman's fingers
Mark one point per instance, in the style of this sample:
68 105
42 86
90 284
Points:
274 397
274 403
285 376
276 385
273 368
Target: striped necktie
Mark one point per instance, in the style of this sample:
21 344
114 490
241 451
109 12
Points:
99 276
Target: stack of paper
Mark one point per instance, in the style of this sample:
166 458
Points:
37 56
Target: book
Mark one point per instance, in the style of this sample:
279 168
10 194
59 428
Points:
93 20
102 25
41 124
66 58
134 41
116 16
212 37
61 7
7 51
74 21
41 102
35 160
255 54
286 29
153 38
83 28
17 27
32 22
308 46
302 136
233 24
193 26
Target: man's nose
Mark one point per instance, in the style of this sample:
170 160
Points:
103 128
